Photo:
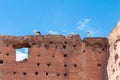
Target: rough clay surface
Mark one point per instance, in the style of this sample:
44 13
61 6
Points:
54 57
113 66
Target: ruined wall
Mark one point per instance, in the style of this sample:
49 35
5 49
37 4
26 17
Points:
114 59
54 57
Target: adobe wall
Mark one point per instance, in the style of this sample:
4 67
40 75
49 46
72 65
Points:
54 57
113 67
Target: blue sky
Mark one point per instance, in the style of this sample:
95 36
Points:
21 54
21 17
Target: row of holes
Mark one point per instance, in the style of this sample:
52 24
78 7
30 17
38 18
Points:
65 55
6 54
37 73
85 51
64 46
65 65
64 42
75 65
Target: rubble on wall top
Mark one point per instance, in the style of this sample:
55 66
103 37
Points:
49 36
30 40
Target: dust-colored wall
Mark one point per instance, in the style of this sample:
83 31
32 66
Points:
113 67
54 57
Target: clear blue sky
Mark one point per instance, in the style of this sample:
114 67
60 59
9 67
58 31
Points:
20 17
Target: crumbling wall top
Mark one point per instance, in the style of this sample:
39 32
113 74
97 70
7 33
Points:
29 40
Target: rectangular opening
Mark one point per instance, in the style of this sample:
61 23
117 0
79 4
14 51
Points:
22 54
1 61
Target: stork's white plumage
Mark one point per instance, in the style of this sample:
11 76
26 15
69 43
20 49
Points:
88 34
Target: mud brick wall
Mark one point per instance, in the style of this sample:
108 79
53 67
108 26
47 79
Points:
54 57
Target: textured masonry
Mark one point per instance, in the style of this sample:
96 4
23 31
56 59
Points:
54 57
57 57
113 66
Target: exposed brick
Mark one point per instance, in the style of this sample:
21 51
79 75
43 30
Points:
70 60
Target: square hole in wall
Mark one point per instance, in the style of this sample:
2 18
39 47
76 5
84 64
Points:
21 54
1 61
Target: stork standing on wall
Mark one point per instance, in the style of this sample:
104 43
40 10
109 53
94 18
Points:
88 34
36 32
